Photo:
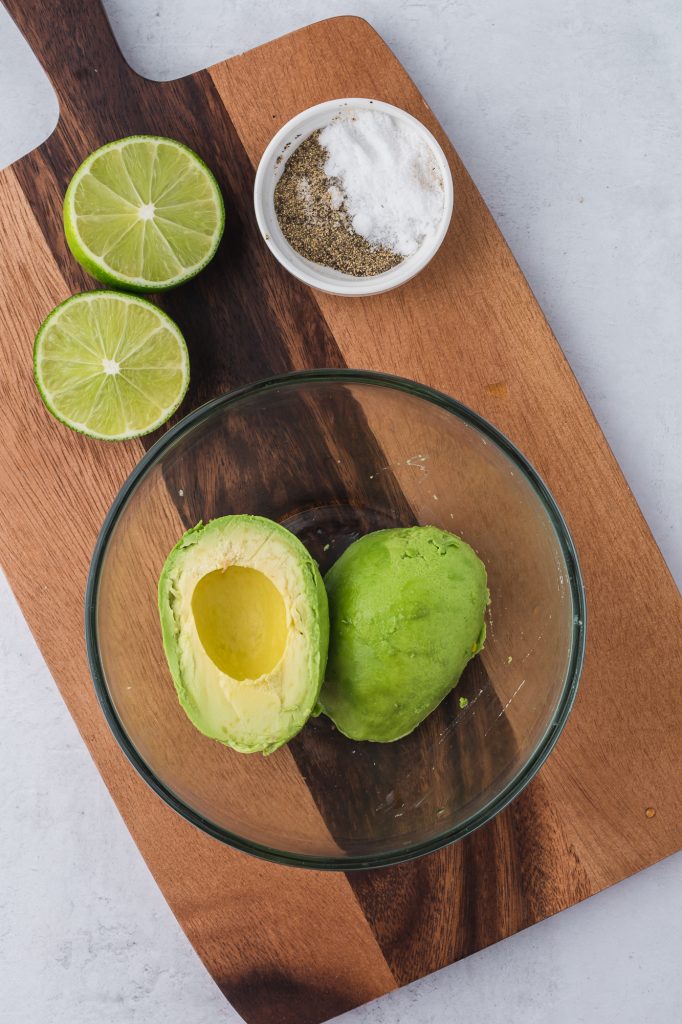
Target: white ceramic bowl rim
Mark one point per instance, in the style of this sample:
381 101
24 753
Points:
272 164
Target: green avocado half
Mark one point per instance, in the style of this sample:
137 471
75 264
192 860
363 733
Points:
407 612
245 629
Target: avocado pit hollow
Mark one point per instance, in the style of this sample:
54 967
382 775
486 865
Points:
241 621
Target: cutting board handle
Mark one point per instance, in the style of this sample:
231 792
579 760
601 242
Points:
76 47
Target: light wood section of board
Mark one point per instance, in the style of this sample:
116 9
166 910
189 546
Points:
470 326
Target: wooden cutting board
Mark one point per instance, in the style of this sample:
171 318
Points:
289 945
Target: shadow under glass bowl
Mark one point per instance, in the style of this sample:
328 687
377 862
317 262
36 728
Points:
332 455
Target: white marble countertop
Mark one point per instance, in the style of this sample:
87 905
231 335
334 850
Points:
567 114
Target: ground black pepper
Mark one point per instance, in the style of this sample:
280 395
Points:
314 226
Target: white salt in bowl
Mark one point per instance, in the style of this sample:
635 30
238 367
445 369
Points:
270 169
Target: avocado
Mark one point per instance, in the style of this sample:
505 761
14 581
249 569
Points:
407 612
245 628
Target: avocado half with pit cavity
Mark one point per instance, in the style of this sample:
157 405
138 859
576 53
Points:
245 629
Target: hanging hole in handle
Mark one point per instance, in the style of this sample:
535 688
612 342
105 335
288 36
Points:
176 43
29 108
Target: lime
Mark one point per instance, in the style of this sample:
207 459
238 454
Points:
143 213
109 365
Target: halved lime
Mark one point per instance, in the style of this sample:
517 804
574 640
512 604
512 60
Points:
143 213
109 365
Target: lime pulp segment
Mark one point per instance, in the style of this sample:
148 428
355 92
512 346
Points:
143 213
109 365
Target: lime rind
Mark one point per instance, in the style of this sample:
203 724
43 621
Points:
90 347
115 180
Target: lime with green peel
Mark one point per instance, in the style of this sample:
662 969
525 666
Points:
109 365
144 213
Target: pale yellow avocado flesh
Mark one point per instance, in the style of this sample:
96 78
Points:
241 620
245 628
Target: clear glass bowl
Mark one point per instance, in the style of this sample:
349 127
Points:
332 455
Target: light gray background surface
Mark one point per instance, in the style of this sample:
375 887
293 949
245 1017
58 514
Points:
568 115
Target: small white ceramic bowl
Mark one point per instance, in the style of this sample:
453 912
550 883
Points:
270 168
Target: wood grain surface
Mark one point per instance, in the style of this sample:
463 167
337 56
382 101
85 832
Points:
287 945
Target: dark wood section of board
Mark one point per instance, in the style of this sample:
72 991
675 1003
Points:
286 945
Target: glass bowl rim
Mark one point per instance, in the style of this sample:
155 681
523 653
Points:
554 727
